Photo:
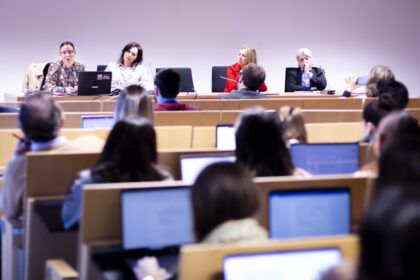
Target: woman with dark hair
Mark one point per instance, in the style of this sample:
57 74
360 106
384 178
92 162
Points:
128 69
62 75
134 101
129 155
260 146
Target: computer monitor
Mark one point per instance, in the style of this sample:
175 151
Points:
225 137
331 158
156 218
307 213
191 166
97 121
301 264
94 83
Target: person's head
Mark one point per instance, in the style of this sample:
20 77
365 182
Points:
395 126
259 144
389 236
129 153
223 191
375 111
40 118
134 101
252 76
167 83
131 54
67 53
247 55
396 90
377 75
304 56
292 124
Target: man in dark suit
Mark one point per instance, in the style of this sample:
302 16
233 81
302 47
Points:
305 77
251 78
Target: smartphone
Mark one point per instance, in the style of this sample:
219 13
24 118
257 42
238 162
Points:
361 81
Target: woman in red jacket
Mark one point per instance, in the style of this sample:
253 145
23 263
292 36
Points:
246 55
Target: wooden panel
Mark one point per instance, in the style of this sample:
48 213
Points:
328 116
415 112
210 104
9 120
332 103
334 132
8 145
81 106
193 118
109 105
173 137
271 104
204 137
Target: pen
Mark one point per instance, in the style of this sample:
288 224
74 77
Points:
21 139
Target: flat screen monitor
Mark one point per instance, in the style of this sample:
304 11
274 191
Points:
300 264
225 137
94 83
97 121
156 218
309 213
191 166
331 158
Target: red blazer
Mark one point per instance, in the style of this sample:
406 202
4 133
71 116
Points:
233 74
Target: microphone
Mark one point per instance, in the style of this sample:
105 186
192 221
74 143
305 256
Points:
228 79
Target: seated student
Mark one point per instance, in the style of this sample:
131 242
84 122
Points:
225 202
134 101
292 124
246 55
250 79
129 155
260 145
397 91
128 69
166 89
306 77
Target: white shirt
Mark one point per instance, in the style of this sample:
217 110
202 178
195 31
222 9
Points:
121 79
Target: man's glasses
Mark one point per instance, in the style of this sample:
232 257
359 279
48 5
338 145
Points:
67 52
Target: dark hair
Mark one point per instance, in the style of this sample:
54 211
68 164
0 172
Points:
168 81
260 146
129 153
40 117
139 58
65 43
396 91
379 108
253 76
389 236
134 101
223 191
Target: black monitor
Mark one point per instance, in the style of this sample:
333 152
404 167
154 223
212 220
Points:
308 213
94 83
329 158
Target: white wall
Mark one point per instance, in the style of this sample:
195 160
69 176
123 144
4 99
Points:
345 36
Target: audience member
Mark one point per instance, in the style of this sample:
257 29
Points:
292 124
305 77
166 89
40 119
250 79
396 90
128 69
246 55
225 202
129 155
133 101
63 75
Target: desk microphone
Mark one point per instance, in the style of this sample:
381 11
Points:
228 79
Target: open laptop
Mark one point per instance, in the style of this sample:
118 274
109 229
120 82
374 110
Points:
225 137
94 83
299 264
97 121
192 165
309 213
328 158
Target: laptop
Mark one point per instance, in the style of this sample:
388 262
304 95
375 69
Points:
192 165
299 264
157 221
94 83
328 158
97 121
309 213
225 137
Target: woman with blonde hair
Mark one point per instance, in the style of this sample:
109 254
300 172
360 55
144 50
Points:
246 55
134 101
290 120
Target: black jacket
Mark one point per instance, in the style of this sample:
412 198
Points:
294 80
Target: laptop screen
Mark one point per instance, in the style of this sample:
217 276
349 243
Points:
97 121
94 82
334 158
302 265
309 213
156 218
225 137
191 166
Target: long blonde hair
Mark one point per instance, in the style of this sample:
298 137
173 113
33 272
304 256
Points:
251 54
378 74
292 123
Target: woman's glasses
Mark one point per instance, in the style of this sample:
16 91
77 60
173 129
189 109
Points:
67 52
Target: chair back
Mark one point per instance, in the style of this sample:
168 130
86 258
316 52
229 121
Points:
185 74
101 67
218 84
288 70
